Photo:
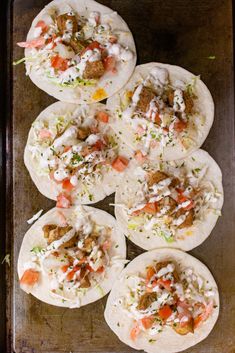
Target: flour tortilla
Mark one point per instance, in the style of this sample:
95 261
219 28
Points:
34 237
191 236
167 341
47 186
109 83
204 104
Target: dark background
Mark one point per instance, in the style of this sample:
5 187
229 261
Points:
181 32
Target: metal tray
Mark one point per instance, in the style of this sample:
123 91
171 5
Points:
188 33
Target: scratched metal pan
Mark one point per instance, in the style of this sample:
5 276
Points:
195 34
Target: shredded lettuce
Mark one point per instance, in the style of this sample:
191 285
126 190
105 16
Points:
100 290
132 226
19 61
75 83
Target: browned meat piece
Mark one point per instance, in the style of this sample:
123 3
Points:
170 97
146 300
185 329
156 177
167 201
83 133
47 228
145 97
77 45
84 280
53 232
65 22
188 220
72 242
162 264
188 100
93 70
88 244
175 182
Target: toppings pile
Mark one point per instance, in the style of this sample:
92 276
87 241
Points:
73 50
74 153
75 258
167 296
159 112
168 201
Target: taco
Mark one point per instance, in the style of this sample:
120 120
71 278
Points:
73 155
164 301
79 51
71 257
163 111
170 204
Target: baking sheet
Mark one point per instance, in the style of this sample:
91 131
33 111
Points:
181 32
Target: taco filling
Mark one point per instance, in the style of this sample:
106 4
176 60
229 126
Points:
75 257
168 199
75 50
75 151
167 295
160 111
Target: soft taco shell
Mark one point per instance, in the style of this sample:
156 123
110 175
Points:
34 237
109 83
189 237
203 104
49 188
167 341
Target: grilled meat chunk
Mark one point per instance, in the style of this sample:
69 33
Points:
168 202
184 329
93 70
146 300
188 222
188 101
54 232
156 177
83 133
163 264
145 97
67 22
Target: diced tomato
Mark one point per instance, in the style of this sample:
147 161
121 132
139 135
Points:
182 198
102 116
166 283
180 125
59 63
150 273
70 275
147 322
110 63
44 134
63 200
100 269
120 164
89 268
165 312
66 185
64 268
30 277
34 43
106 245
67 148
99 145
166 129
135 331
91 46
140 157
150 207
43 25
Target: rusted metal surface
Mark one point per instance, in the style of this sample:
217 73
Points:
181 32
